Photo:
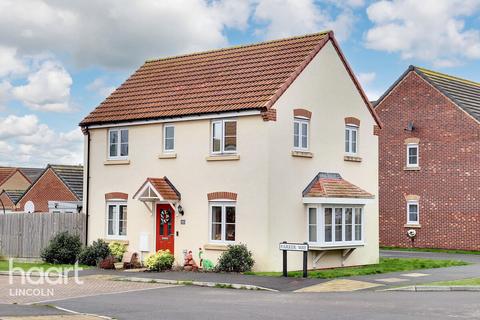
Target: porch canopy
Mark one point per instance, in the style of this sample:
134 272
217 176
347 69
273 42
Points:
158 190
329 187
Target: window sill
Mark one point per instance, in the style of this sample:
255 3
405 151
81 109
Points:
216 247
167 156
411 168
413 225
116 162
352 158
223 157
302 154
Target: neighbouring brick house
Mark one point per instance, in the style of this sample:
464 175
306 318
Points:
12 178
430 161
57 183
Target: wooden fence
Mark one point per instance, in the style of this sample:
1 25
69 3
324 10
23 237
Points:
24 235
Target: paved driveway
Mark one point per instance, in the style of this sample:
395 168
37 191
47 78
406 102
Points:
20 293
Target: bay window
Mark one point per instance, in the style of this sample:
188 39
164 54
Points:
222 221
116 219
118 143
330 225
224 136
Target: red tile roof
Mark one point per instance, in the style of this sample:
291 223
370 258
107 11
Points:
165 188
331 185
250 77
6 173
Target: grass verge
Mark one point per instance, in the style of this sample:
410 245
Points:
462 282
430 250
4 265
386 265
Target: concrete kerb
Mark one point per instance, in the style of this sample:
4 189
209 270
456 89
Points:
196 283
435 288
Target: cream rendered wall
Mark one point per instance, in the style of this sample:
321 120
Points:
193 176
16 182
326 89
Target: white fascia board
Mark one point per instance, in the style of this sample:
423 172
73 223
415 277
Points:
325 200
177 119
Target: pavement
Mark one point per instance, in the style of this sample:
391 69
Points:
368 282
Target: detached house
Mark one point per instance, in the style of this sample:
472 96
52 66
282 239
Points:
58 189
255 144
430 161
12 178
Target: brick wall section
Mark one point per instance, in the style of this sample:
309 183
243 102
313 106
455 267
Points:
448 182
222 195
8 204
48 188
269 115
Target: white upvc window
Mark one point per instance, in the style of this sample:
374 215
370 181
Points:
117 219
168 138
413 212
118 144
412 155
335 225
300 134
351 139
224 136
222 221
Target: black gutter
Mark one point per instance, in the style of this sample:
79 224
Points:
88 186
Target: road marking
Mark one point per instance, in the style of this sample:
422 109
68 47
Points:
391 280
415 275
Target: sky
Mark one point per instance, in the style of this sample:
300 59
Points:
59 59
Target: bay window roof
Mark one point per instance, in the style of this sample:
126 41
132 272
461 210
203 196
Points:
332 185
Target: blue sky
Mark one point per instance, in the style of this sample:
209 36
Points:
60 59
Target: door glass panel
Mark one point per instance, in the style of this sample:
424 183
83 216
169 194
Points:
161 229
328 224
338 224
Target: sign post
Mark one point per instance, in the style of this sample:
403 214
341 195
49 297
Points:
285 246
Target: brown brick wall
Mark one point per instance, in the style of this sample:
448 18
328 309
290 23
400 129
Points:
7 203
448 182
48 188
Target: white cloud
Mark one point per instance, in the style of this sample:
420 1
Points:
26 141
430 30
366 78
294 17
118 33
47 89
10 62
100 86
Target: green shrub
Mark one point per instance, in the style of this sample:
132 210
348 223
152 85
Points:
63 248
117 249
91 255
236 259
160 261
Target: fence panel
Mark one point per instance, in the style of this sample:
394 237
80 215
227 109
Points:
24 235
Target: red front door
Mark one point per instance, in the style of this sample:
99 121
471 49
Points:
165 230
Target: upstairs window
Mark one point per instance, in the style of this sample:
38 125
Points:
351 139
224 136
412 155
300 134
412 212
118 143
168 138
